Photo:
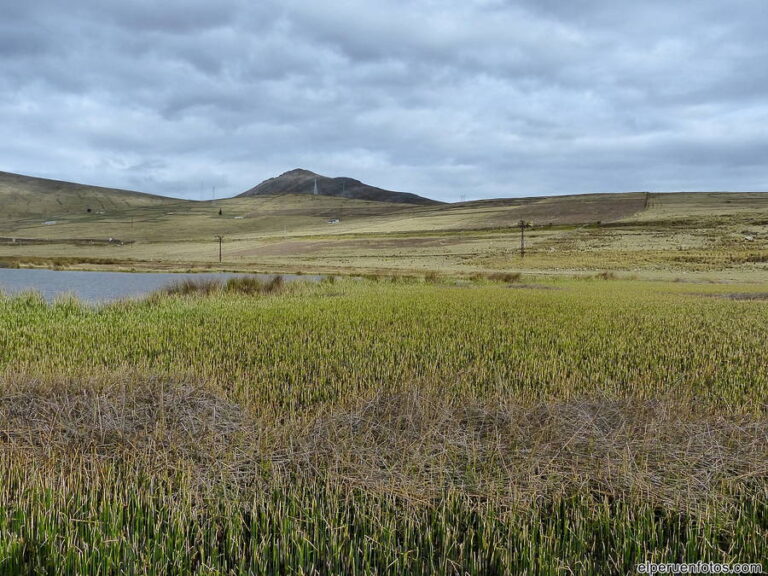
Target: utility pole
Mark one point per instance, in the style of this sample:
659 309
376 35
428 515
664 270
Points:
523 225
220 238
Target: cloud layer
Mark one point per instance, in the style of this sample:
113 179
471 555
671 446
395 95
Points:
449 99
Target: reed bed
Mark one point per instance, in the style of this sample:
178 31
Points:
249 285
384 428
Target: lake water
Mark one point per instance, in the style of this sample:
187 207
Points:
96 287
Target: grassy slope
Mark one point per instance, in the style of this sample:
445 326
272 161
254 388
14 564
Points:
26 197
721 233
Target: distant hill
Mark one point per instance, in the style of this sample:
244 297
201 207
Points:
28 196
303 182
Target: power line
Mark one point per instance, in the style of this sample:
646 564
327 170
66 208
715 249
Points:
220 239
523 225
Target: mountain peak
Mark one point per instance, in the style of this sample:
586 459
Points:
301 181
298 172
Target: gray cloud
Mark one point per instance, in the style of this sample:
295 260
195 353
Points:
444 98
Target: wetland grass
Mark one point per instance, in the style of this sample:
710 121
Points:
384 428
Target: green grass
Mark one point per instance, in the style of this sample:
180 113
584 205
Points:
403 426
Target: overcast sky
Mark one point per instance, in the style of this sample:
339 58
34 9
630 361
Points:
449 99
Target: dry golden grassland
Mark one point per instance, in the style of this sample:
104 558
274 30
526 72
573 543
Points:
713 236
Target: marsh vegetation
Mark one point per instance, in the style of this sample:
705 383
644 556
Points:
408 426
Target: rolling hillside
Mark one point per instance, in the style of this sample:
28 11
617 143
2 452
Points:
49 222
29 197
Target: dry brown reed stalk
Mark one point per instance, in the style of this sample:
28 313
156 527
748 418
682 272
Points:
416 442
422 442
107 417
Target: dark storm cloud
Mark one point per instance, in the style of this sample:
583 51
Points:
444 98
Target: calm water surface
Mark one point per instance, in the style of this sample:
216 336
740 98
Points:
96 287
